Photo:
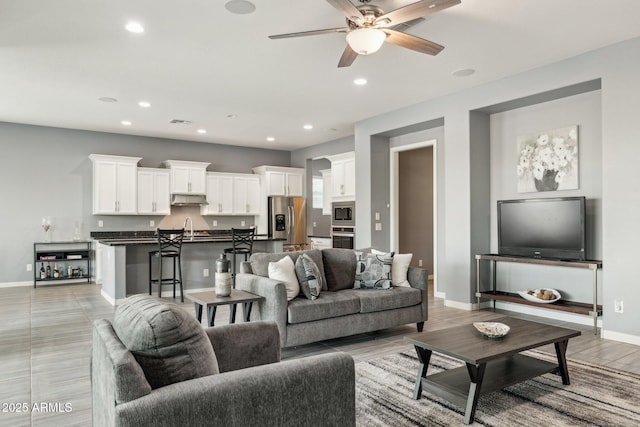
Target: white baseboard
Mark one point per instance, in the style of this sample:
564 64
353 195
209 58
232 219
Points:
460 305
622 337
440 295
551 314
15 284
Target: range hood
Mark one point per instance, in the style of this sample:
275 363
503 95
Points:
188 200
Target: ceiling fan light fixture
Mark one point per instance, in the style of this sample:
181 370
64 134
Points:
366 41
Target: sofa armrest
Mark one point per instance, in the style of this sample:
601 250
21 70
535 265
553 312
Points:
274 305
282 394
260 345
419 278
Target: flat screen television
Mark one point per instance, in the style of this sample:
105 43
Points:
552 228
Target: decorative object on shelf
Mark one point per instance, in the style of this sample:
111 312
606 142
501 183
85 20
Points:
223 277
46 225
548 161
492 329
544 296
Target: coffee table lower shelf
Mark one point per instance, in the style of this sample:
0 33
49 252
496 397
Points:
454 384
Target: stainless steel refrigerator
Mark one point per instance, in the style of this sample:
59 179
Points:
287 219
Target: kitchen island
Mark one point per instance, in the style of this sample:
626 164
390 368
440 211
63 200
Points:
123 260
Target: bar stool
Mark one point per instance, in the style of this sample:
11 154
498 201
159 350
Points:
242 244
169 246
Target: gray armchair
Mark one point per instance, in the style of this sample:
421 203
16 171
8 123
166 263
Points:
252 388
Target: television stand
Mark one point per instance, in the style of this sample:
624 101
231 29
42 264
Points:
592 308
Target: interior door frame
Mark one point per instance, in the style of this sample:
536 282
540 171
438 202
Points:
394 197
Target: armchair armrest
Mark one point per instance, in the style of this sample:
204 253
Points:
282 394
260 345
419 278
274 306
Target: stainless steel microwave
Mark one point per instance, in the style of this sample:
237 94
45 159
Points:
343 214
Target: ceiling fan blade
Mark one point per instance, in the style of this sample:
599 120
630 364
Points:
311 33
348 9
406 25
415 10
348 56
412 42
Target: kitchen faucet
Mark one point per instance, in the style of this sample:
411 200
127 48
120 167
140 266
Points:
185 226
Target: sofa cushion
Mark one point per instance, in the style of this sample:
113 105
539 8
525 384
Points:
374 271
168 343
327 305
372 300
285 271
309 277
260 261
339 268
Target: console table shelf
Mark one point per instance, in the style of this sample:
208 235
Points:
592 308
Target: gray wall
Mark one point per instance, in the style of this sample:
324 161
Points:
322 222
466 217
46 172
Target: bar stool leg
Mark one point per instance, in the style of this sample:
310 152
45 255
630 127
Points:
160 278
150 276
174 277
233 269
180 274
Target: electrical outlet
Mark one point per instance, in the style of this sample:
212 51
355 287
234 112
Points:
152 223
29 267
419 263
378 226
377 216
314 224
243 223
205 272
100 224
215 222
618 306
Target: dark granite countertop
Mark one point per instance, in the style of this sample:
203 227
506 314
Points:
116 238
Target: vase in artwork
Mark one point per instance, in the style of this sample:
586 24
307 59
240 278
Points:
548 181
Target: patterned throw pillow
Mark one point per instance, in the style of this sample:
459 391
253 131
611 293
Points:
374 271
309 276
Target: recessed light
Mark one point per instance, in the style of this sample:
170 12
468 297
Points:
360 81
308 127
240 7
125 123
144 104
270 139
134 27
463 72
231 116
202 131
107 99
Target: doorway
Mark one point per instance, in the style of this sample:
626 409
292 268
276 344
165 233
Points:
413 208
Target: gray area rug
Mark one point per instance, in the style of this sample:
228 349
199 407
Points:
597 396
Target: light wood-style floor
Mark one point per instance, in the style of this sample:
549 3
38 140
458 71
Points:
45 346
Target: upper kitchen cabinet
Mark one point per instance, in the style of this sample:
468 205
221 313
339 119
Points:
246 195
115 184
343 176
282 181
219 194
187 177
153 191
327 195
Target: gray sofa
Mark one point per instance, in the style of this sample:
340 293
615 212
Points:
341 310
155 382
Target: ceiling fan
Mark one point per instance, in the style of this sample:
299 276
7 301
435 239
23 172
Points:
368 27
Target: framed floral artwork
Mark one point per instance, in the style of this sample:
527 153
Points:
548 161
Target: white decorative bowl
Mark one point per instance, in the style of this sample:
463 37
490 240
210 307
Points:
534 298
492 329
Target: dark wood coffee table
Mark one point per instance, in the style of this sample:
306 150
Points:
211 301
491 364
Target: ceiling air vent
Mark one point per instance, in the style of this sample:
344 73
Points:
180 122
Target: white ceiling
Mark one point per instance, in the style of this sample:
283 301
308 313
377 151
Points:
197 61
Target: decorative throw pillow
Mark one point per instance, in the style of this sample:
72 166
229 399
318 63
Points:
309 276
168 343
284 271
399 270
374 271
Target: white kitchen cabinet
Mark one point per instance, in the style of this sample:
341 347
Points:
343 176
246 195
153 191
327 195
187 177
219 193
282 181
115 184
